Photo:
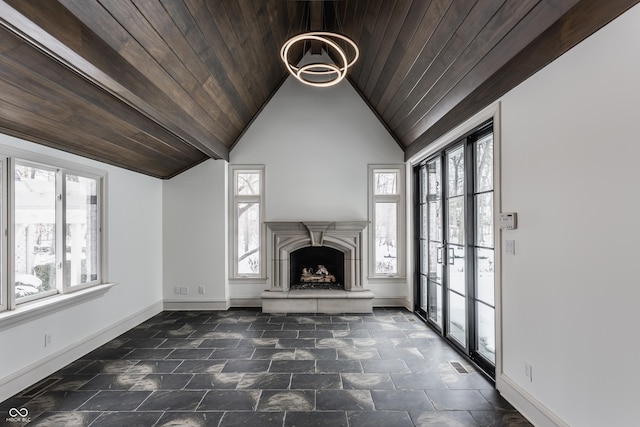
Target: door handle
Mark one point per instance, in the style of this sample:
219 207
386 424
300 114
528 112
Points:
439 253
452 256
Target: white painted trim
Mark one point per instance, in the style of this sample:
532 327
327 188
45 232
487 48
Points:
186 305
49 161
31 374
234 199
246 302
410 232
391 302
530 407
4 238
38 308
377 302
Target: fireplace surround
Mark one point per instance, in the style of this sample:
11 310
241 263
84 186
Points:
286 237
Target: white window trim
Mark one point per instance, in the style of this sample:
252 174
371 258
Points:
4 240
233 223
399 199
55 299
42 306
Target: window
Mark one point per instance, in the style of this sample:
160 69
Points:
247 218
54 233
386 213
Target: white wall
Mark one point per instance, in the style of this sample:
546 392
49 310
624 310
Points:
316 144
134 234
195 236
570 152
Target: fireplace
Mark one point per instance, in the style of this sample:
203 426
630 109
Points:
317 267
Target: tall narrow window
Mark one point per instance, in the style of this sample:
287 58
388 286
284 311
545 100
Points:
386 212
248 238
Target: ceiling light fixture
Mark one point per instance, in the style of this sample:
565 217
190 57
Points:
340 52
321 74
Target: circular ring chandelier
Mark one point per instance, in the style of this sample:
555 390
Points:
320 74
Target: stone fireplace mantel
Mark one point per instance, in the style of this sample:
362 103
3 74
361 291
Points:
286 237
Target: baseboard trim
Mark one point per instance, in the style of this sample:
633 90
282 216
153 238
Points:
530 407
183 305
31 374
246 302
377 302
390 302
186 305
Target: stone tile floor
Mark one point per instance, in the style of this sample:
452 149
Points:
247 368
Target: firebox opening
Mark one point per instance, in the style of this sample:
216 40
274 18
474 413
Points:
316 267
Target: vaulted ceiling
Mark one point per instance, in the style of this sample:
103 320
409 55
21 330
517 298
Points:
158 86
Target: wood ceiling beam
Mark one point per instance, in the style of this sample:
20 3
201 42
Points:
52 29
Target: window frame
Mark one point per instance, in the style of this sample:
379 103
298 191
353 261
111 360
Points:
64 173
399 200
4 240
9 159
235 200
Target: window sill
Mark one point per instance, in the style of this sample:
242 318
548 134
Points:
32 310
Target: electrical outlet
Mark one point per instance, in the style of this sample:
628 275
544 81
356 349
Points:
201 290
184 290
47 339
528 371
176 290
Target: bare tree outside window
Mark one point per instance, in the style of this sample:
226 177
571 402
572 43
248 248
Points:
247 216
385 211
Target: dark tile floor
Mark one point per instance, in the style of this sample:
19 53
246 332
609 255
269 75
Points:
248 368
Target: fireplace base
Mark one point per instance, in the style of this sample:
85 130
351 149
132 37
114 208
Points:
329 301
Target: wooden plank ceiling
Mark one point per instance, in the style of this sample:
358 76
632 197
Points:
158 86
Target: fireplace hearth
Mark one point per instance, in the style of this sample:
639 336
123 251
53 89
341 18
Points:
317 267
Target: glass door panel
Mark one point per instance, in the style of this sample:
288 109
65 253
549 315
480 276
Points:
484 276
484 219
435 238
486 342
484 292
456 270
456 282
457 313
435 302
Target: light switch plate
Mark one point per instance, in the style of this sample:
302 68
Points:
510 247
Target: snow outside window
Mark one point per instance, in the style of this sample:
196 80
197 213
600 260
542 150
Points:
386 212
55 241
247 217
